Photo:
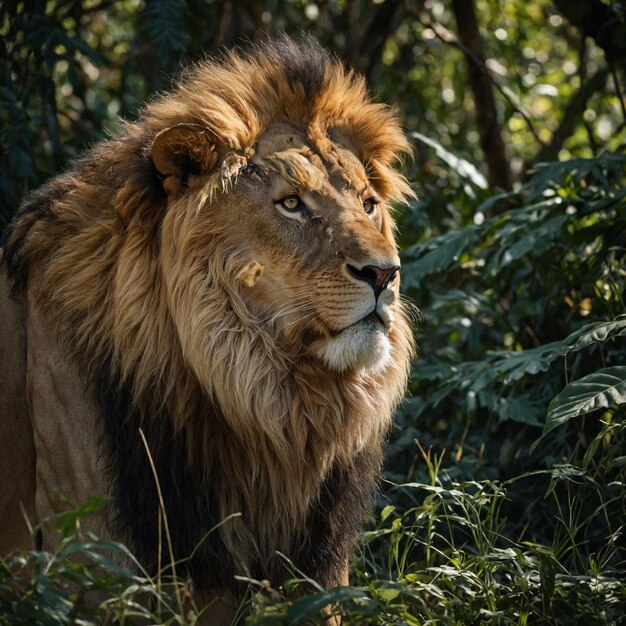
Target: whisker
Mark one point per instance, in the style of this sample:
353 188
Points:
284 311
303 288
411 310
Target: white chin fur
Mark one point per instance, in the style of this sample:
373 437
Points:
362 346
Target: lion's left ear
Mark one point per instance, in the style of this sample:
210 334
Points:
181 150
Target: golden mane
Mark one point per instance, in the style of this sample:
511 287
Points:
264 430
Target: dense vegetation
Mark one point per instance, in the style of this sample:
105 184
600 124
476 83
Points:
504 497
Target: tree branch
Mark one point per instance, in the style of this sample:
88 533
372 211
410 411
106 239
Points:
382 24
480 83
443 34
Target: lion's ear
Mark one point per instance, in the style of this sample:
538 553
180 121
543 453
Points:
181 150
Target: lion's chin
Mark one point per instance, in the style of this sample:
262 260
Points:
364 345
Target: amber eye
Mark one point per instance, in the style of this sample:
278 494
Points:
291 202
370 205
292 207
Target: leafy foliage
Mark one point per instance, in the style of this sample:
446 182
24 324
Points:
521 377
602 389
471 572
69 68
85 580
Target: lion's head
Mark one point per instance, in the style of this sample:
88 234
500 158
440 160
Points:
226 270
292 205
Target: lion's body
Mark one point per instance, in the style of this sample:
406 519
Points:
162 283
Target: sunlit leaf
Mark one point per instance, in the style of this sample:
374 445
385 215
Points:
602 389
441 254
461 166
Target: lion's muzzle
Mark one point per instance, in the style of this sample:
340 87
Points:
377 277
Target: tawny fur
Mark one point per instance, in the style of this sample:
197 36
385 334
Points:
144 288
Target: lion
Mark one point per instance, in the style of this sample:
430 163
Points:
221 280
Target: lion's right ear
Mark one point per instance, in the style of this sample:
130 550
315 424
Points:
181 150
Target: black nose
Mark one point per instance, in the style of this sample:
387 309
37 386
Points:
377 277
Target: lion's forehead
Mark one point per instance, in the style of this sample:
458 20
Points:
318 168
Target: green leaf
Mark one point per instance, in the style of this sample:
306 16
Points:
310 606
599 332
438 254
388 594
386 512
601 389
462 167
534 241
515 365
67 522
522 409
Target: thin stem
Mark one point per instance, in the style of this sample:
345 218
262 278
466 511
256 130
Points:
163 513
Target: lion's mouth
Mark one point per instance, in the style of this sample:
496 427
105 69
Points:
372 320
364 344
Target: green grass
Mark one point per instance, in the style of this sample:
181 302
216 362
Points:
444 553
452 558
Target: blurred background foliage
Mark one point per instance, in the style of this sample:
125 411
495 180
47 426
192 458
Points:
504 499
549 78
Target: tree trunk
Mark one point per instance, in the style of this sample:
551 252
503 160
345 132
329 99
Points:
486 115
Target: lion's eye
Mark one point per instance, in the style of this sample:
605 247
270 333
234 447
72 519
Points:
291 206
291 203
370 205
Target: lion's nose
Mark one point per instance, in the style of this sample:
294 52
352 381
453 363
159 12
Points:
377 277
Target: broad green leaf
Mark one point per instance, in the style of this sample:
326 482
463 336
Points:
553 174
600 331
443 252
536 240
388 593
521 409
486 206
515 365
599 390
619 461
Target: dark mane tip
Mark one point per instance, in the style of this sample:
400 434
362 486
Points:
37 207
303 61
